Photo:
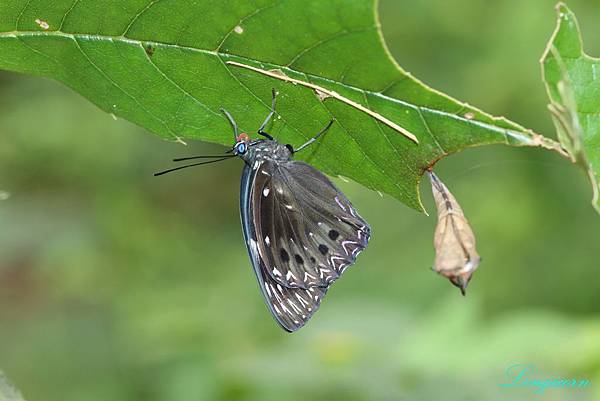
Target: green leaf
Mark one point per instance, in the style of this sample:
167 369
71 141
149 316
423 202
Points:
573 83
7 391
163 64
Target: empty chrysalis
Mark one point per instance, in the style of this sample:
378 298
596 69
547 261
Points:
455 255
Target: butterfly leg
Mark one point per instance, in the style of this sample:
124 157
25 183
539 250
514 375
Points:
314 138
271 114
232 122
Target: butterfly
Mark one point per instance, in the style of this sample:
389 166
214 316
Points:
301 231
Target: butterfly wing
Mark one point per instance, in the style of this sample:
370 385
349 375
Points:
302 233
291 307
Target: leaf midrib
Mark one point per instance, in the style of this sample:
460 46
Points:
386 175
139 42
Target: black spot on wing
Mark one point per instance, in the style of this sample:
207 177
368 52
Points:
323 249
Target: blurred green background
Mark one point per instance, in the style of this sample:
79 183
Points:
115 285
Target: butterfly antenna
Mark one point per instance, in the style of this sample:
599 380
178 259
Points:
232 122
180 159
190 165
314 138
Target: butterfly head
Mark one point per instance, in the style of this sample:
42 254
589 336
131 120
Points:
241 144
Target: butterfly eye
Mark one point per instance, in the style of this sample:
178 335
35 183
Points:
240 148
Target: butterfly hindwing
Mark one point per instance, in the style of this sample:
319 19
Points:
307 229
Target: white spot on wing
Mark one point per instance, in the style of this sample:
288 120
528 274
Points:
266 191
337 200
334 258
306 276
294 306
344 243
268 240
253 246
302 300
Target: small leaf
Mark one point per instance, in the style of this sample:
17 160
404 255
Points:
170 65
573 83
455 255
7 391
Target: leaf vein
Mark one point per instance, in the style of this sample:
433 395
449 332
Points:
322 41
242 20
399 157
428 128
116 85
138 16
18 21
166 76
65 16
33 49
